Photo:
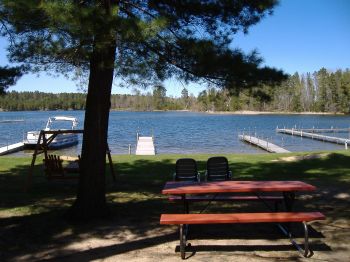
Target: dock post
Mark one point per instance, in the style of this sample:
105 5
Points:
129 149
267 144
346 145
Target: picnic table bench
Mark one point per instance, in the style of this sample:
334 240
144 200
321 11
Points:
287 187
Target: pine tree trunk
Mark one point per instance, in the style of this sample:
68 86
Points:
91 200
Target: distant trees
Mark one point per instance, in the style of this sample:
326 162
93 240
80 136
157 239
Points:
19 101
159 95
185 97
321 91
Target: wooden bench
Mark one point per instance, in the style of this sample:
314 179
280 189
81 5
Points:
272 217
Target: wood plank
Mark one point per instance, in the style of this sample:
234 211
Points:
277 217
56 132
174 188
226 198
11 148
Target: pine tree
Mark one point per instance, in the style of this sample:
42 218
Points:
142 42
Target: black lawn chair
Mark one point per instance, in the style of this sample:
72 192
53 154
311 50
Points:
218 169
186 170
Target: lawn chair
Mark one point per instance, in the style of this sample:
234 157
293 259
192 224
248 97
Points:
217 169
54 169
186 170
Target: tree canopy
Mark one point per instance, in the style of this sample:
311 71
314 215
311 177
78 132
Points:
140 42
155 39
8 77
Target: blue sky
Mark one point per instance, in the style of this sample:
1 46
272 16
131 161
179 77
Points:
301 35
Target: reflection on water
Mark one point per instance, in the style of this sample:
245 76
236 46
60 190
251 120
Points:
184 132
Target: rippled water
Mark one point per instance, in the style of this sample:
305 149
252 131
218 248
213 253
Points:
186 132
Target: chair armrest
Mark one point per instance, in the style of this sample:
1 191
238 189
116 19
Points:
230 174
199 177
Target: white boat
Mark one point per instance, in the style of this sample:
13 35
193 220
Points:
61 140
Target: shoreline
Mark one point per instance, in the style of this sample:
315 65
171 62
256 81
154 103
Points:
240 112
248 112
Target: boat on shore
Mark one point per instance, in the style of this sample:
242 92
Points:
61 140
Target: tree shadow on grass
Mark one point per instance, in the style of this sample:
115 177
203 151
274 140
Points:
136 204
43 236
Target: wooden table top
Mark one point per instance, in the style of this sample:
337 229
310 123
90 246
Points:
180 188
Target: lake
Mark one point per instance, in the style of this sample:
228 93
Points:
185 132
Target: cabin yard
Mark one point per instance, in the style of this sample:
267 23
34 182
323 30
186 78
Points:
33 225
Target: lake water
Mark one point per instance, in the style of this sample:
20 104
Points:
185 132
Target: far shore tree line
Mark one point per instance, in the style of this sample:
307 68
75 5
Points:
322 91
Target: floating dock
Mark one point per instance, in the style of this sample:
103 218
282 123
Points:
269 147
11 120
330 139
11 148
145 145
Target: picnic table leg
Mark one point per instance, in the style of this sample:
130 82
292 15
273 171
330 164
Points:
289 198
184 228
306 251
185 204
182 241
306 240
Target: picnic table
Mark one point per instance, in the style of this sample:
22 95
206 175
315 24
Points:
287 188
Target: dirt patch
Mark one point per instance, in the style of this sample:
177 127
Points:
133 238
300 158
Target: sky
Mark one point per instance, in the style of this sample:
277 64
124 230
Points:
301 35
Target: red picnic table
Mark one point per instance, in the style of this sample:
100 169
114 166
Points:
288 189
186 190
182 188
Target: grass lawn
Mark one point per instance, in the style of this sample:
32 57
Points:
32 228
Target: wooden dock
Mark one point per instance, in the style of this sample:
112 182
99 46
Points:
269 147
11 120
145 146
11 148
330 139
325 130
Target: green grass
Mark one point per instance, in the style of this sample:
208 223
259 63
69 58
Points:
142 177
